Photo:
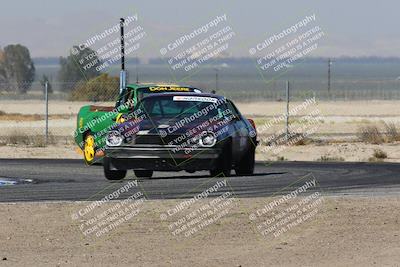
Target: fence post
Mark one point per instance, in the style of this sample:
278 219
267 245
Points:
287 111
46 92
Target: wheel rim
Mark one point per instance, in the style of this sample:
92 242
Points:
89 148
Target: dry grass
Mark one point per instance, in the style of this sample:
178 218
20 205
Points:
294 139
20 117
301 140
380 154
18 138
370 134
29 117
373 135
391 132
281 158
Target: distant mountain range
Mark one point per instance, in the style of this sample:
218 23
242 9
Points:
240 60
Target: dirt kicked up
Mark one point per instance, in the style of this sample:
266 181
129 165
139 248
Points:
345 231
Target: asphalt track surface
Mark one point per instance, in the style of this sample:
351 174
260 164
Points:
72 180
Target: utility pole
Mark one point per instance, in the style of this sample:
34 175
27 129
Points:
137 71
216 79
46 93
287 111
329 75
122 75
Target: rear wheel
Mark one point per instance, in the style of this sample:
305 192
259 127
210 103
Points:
112 174
246 165
89 149
143 173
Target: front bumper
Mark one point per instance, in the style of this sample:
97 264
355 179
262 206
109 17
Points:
162 158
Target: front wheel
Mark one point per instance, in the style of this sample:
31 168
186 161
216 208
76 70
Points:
143 173
246 164
112 174
224 163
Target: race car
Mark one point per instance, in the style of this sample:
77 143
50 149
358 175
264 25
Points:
94 122
181 132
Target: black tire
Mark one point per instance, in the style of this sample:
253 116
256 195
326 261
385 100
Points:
143 173
89 157
224 163
112 174
246 164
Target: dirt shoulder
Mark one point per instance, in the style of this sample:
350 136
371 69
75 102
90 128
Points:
351 151
346 232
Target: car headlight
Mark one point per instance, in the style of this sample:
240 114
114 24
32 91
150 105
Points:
114 138
207 139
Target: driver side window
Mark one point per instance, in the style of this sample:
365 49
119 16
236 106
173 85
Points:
156 109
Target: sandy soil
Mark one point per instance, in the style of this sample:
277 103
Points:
38 107
354 151
49 152
345 232
333 108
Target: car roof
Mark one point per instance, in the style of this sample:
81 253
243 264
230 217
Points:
146 85
185 94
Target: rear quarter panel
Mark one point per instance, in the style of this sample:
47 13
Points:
93 120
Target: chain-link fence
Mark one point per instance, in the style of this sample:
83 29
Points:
26 118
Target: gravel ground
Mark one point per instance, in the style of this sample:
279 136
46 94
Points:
357 231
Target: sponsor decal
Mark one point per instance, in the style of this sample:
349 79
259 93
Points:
195 98
166 88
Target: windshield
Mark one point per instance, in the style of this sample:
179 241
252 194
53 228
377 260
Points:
128 93
183 106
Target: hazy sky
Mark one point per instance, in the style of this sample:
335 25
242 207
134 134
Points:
353 28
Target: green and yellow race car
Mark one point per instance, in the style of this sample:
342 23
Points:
94 122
